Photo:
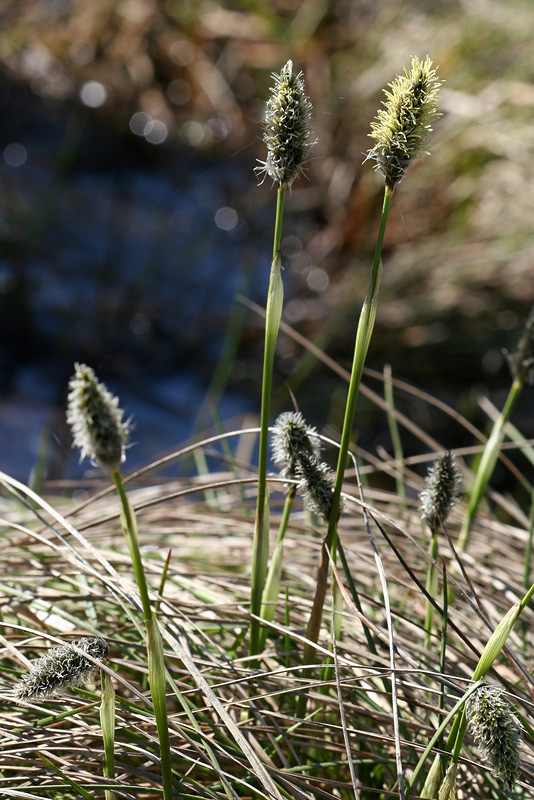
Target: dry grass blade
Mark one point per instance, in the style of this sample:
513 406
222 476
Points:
246 718
342 709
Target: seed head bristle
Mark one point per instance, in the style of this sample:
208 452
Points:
291 437
316 484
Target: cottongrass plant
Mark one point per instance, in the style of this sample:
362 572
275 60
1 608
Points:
401 133
287 130
206 587
497 732
101 435
296 450
291 439
438 498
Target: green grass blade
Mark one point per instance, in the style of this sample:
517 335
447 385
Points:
73 785
157 681
275 301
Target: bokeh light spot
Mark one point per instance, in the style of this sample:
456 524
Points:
140 324
192 132
317 279
81 52
15 154
291 245
226 218
156 132
93 94
179 92
182 52
140 122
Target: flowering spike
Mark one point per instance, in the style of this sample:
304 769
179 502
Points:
497 732
316 484
522 361
60 669
291 438
442 491
403 124
287 127
96 419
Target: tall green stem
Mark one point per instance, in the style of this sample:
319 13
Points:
156 660
260 548
129 526
431 586
487 464
272 583
363 338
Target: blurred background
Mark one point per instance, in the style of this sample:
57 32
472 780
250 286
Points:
130 215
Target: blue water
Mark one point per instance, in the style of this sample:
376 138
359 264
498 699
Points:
127 263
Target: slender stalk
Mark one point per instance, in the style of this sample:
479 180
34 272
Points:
130 532
363 338
272 583
272 324
487 464
431 586
156 659
528 548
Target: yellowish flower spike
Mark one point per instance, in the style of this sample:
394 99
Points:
403 125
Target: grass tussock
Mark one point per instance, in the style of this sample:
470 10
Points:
233 729
296 634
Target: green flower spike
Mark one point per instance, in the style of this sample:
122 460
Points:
496 731
60 669
291 437
442 491
403 125
316 484
287 128
96 420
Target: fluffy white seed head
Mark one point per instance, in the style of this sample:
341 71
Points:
61 669
96 420
403 125
291 437
287 128
497 732
442 491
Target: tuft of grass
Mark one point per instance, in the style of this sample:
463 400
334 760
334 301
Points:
371 704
